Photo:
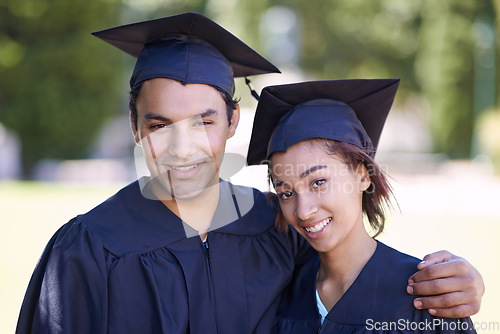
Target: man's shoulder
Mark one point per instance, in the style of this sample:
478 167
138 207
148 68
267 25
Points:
129 222
247 189
125 200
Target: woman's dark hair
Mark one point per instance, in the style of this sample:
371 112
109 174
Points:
134 94
375 199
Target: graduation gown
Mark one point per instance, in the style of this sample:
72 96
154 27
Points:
376 302
127 267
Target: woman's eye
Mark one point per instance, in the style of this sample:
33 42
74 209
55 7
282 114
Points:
284 195
318 183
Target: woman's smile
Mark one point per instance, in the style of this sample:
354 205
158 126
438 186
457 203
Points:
317 229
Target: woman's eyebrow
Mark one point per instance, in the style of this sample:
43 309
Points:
279 184
303 174
311 170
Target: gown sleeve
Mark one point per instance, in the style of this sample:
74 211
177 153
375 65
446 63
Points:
67 292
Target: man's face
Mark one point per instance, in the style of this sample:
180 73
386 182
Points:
183 131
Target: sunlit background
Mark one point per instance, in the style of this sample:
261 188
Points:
66 144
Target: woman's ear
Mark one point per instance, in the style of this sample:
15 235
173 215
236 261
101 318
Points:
363 178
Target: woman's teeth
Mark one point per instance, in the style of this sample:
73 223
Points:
318 227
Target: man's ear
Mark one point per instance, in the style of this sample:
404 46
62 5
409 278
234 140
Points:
137 137
235 118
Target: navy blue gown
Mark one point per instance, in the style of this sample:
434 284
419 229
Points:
127 267
376 302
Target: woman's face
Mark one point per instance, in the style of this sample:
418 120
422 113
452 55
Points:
319 195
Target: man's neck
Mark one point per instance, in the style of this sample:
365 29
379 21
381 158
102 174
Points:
198 211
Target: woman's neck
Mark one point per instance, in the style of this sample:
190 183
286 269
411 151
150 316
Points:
340 267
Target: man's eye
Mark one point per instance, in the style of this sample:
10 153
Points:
204 123
157 126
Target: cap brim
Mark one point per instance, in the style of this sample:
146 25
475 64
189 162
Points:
371 100
131 39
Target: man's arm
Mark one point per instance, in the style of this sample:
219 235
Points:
68 290
453 286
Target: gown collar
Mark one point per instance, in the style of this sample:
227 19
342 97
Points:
130 222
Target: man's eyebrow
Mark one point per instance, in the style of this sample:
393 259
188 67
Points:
152 116
312 170
157 117
207 113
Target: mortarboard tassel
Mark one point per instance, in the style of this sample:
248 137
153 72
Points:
252 90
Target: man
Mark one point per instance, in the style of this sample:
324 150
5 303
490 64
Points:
180 251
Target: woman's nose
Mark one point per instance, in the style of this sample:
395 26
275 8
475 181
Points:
306 206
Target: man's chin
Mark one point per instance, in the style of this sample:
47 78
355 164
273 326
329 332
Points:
187 195
179 190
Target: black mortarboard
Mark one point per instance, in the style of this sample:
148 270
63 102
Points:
189 48
352 111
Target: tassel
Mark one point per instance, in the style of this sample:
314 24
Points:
252 90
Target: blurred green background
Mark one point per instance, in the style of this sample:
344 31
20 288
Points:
63 112
59 85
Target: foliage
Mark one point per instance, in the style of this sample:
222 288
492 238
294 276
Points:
58 82
445 67
429 44
489 136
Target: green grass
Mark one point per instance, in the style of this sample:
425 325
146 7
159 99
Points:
31 212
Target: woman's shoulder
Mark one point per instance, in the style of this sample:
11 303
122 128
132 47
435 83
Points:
377 302
381 302
389 257
381 286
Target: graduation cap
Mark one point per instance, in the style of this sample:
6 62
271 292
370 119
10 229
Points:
352 111
189 48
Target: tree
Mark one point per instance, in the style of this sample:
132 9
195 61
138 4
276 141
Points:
58 82
445 68
429 44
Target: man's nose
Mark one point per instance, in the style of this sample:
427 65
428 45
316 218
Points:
181 143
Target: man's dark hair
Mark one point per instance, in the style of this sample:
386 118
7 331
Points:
134 94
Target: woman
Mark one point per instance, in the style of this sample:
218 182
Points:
321 138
